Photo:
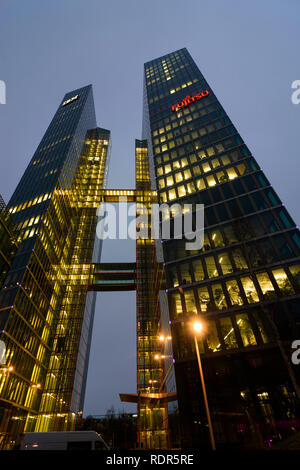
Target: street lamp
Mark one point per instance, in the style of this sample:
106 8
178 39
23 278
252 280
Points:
198 327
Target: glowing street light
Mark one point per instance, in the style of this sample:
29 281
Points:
198 327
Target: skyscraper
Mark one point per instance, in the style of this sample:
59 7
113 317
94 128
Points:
243 283
46 313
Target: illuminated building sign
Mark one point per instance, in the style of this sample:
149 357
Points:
74 98
189 99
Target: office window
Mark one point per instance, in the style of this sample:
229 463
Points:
211 336
249 289
211 266
219 297
283 281
228 333
225 263
203 297
247 335
266 285
234 292
190 304
198 270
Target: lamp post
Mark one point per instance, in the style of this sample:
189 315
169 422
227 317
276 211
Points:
197 327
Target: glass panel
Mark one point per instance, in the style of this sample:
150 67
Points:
230 234
225 263
295 272
217 238
173 277
210 180
234 292
178 177
249 289
181 191
232 174
211 336
170 180
203 298
239 259
198 270
228 333
190 304
211 267
283 281
264 327
219 297
266 285
205 167
245 328
177 303
200 183
185 273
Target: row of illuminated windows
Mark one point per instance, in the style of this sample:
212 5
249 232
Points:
215 265
192 156
259 253
205 182
261 286
187 121
191 145
26 204
253 226
194 127
171 91
221 176
226 333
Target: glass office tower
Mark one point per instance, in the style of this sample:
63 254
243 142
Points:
244 283
46 313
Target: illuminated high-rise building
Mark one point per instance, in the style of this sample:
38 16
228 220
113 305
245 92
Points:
243 283
46 312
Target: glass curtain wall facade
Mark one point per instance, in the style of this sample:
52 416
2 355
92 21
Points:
152 418
243 283
40 316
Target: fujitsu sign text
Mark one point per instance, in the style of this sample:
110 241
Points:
189 99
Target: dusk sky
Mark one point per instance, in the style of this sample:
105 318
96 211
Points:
249 53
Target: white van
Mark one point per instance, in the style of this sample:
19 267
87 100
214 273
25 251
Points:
70 440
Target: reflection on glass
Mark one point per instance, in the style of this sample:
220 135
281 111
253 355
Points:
219 297
211 266
263 326
190 304
283 281
198 270
211 336
266 285
249 289
217 238
234 292
295 272
239 259
228 333
225 263
177 303
203 298
185 273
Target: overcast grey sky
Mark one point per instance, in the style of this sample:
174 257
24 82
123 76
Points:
249 53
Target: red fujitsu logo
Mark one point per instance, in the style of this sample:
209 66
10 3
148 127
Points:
189 99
